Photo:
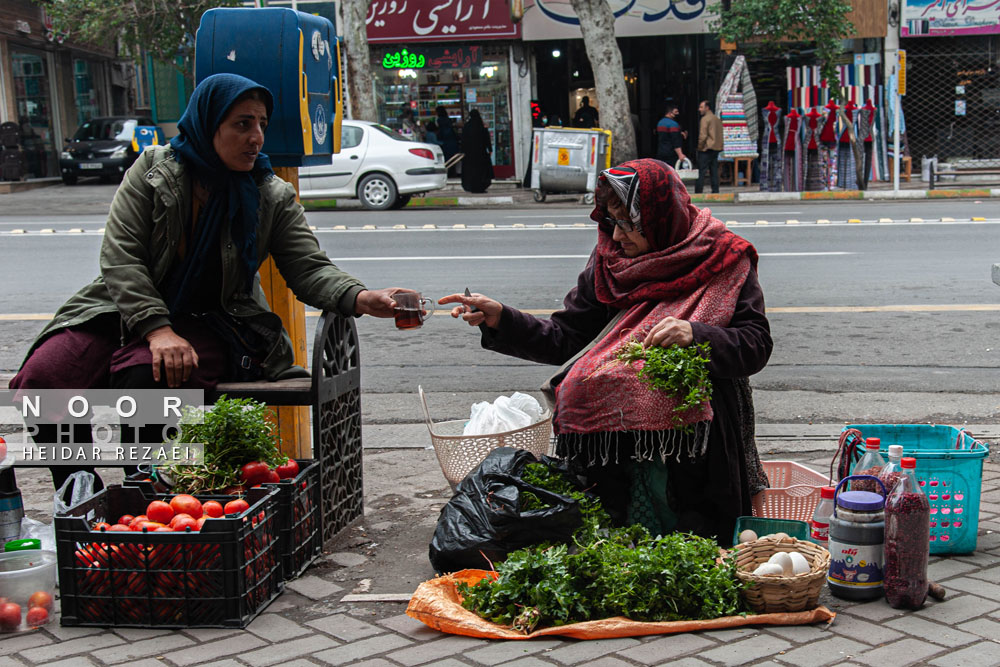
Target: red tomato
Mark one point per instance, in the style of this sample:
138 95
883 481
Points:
288 470
40 599
272 477
10 616
3 449
213 508
254 473
137 520
233 490
37 616
182 521
117 528
146 525
237 506
164 529
201 521
126 519
101 526
185 504
160 511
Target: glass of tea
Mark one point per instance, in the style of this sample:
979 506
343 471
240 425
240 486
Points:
411 309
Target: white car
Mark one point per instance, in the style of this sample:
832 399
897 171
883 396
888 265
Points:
380 167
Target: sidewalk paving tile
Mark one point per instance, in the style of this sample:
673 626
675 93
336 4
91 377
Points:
863 629
730 635
377 662
6 661
991 574
495 653
899 654
410 627
528 662
932 632
72 647
976 587
980 655
78 661
217 649
345 627
228 662
450 662
314 587
825 652
209 634
607 661
275 628
435 650
136 634
957 609
948 567
685 662
801 633
69 632
983 627
740 652
361 649
657 651
876 610
19 642
574 654
287 650
133 650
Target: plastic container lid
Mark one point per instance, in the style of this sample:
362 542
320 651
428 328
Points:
909 462
895 450
873 443
23 545
827 492
864 501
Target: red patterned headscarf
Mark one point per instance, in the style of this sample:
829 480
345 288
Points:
694 271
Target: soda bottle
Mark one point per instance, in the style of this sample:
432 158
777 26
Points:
819 527
907 541
893 470
870 464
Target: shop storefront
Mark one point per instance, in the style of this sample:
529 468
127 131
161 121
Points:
421 61
31 72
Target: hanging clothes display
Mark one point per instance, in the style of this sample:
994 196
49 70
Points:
810 143
770 150
738 81
828 146
866 131
791 168
847 166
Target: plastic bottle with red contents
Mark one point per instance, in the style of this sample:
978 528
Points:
870 464
819 527
907 541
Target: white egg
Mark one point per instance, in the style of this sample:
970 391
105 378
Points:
799 563
780 536
782 560
747 536
768 569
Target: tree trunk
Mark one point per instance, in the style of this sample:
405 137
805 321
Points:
597 24
359 70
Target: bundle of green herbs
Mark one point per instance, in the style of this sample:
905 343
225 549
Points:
233 432
679 371
606 572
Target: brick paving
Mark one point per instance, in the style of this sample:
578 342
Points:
310 624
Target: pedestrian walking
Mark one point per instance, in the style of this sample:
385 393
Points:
669 137
477 168
586 116
446 133
709 147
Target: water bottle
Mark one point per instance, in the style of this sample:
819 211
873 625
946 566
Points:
871 464
907 541
893 470
819 527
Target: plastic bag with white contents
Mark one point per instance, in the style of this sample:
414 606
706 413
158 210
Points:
43 532
506 413
80 486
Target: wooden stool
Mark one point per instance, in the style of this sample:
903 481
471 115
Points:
904 169
747 164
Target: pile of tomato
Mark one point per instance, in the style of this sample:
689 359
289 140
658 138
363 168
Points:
182 513
39 608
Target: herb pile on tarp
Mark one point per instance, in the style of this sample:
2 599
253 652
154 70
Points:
235 431
680 371
606 572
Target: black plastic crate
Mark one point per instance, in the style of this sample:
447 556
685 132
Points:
221 576
300 520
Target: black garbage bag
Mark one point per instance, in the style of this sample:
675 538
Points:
483 519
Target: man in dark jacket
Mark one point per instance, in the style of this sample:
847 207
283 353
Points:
669 137
586 115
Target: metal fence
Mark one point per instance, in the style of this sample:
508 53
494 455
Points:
952 105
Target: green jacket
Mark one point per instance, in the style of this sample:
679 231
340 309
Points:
145 226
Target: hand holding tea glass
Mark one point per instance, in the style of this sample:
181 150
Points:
411 310
379 302
475 309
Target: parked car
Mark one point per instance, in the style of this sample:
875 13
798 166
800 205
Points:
380 167
104 147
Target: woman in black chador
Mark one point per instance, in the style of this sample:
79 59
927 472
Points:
477 170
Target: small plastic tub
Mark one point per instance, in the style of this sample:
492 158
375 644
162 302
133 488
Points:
24 574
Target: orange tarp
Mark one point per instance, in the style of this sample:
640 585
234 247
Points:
438 604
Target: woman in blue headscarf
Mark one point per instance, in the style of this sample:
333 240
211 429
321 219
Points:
178 303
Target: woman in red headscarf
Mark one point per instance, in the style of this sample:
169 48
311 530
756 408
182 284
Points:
666 273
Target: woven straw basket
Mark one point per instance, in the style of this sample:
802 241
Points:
460 454
781 593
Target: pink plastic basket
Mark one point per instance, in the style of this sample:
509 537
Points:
794 491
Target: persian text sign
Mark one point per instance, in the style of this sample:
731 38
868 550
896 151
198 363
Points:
443 20
950 17
555 19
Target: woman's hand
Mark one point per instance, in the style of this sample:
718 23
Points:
670 331
175 353
488 313
378 302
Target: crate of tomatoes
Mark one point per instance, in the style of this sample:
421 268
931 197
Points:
131 559
241 452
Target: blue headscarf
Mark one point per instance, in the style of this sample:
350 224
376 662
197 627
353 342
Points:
233 195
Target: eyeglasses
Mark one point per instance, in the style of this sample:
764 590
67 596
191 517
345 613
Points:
624 225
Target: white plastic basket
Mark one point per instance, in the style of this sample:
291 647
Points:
794 492
460 454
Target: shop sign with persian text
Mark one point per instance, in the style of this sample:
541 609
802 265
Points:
555 19
949 17
440 21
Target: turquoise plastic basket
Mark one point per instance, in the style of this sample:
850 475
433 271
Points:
950 472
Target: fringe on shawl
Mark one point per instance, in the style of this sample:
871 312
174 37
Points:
607 446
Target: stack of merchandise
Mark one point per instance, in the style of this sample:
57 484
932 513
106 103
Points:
735 132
